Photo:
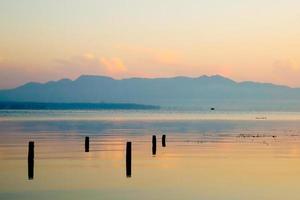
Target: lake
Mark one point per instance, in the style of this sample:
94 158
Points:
208 155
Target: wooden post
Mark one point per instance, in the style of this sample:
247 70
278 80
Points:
87 144
30 160
163 141
153 145
31 150
128 159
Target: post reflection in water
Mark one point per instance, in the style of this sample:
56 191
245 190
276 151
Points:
30 169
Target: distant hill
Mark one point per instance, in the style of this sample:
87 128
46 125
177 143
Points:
178 91
74 106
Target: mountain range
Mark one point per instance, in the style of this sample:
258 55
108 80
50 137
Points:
199 92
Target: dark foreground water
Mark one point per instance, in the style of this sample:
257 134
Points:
209 155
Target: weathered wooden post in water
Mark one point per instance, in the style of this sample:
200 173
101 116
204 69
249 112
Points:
163 141
153 145
30 160
87 144
128 159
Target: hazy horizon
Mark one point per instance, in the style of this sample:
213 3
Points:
136 77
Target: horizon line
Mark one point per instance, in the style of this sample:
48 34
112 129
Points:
150 78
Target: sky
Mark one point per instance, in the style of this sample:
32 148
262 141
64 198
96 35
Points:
42 40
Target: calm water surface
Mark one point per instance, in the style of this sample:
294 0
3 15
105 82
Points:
209 155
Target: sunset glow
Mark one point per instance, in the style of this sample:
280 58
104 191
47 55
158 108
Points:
46 40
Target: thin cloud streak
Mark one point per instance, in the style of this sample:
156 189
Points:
146 62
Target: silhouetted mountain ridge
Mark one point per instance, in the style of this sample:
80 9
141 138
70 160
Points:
182 91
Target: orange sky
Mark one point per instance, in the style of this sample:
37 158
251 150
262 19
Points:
255 40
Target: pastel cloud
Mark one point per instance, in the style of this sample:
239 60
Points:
165 62
167 57
13 74
89 63
285 71
144 62
153 55
113 66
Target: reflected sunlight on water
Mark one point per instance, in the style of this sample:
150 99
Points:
204 159
134 115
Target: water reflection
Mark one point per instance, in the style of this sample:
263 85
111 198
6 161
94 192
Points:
239 159
30 169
